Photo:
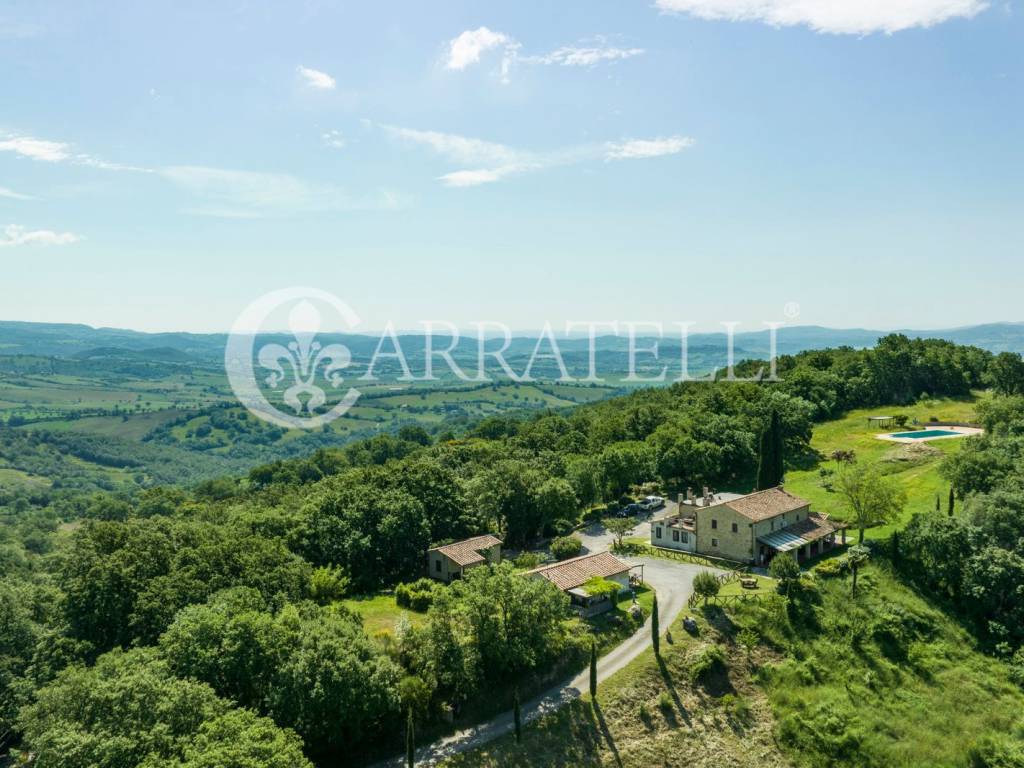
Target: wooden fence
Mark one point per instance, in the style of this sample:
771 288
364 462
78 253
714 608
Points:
690 557
723 600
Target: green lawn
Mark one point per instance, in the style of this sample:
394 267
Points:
917 469
765 586
380 613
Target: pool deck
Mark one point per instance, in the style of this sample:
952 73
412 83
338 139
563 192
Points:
960 432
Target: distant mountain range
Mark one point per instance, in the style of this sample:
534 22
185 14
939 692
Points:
84 342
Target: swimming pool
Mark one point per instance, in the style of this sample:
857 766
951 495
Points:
924 434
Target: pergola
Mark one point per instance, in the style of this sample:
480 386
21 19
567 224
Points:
880 421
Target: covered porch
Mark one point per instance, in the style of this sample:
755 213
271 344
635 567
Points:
806 539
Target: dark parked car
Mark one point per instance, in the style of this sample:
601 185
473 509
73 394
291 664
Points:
629 510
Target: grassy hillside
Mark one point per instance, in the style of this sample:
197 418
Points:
655 713
916 467
885 680
881 680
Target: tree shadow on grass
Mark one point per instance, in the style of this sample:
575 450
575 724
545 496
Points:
666 675
607 734
719 620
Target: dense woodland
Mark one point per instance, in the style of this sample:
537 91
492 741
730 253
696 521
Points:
201 627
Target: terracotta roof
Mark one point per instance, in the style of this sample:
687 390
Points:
468 552
763 505
811 528
576 571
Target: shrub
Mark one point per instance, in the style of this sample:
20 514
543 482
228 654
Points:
706 585
565 547
562 527
786 569
706 661
736 707
527 561
1017 667
419 595
327 584
665 702
830 568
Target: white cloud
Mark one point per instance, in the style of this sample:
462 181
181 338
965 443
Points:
37 149
475 177
12 195
333 139
59 152
851 17
495 162
638 149
461 149
468 47
14 235
576 56
249 194
316 79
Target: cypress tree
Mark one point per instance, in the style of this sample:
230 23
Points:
593 670
938 502
952 500
770 466
517 716
655 635
410 742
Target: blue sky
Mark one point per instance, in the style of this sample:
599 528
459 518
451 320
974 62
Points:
163 164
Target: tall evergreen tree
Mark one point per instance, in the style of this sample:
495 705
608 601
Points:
410 742
952 500
655 634
770 467
938 502
517 716
593 670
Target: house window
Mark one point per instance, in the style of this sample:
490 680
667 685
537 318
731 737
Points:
437 566
675 535
686 537
773 525
714 524
735 528
798 516
714 542
657 532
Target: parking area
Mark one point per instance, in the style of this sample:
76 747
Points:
596 538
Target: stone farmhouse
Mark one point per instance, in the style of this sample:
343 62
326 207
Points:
451 561
751 529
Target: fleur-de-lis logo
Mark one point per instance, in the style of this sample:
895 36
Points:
305 357
308 370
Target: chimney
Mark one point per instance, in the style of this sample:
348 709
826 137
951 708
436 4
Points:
689 495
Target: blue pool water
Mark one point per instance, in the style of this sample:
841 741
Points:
924 434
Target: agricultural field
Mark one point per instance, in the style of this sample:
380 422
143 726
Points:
188 411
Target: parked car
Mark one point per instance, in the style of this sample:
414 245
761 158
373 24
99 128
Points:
629 510
651 502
